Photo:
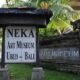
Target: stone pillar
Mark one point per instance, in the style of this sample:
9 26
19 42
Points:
37 73
4 75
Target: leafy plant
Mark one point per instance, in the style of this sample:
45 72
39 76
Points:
62 14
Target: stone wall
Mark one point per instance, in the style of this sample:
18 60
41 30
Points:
61 49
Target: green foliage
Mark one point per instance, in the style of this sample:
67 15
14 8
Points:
62 14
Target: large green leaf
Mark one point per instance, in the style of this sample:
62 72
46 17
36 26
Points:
62 14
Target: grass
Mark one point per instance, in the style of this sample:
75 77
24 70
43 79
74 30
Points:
55 75
19 71
23 72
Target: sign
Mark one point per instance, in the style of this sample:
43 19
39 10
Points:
20 44
62 53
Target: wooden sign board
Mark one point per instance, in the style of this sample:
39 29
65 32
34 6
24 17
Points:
20 44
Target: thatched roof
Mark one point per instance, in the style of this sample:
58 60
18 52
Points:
75 4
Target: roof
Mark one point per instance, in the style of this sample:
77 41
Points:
75 4
24 14
27 11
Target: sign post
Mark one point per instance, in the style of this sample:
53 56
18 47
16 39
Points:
20 34
3 50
